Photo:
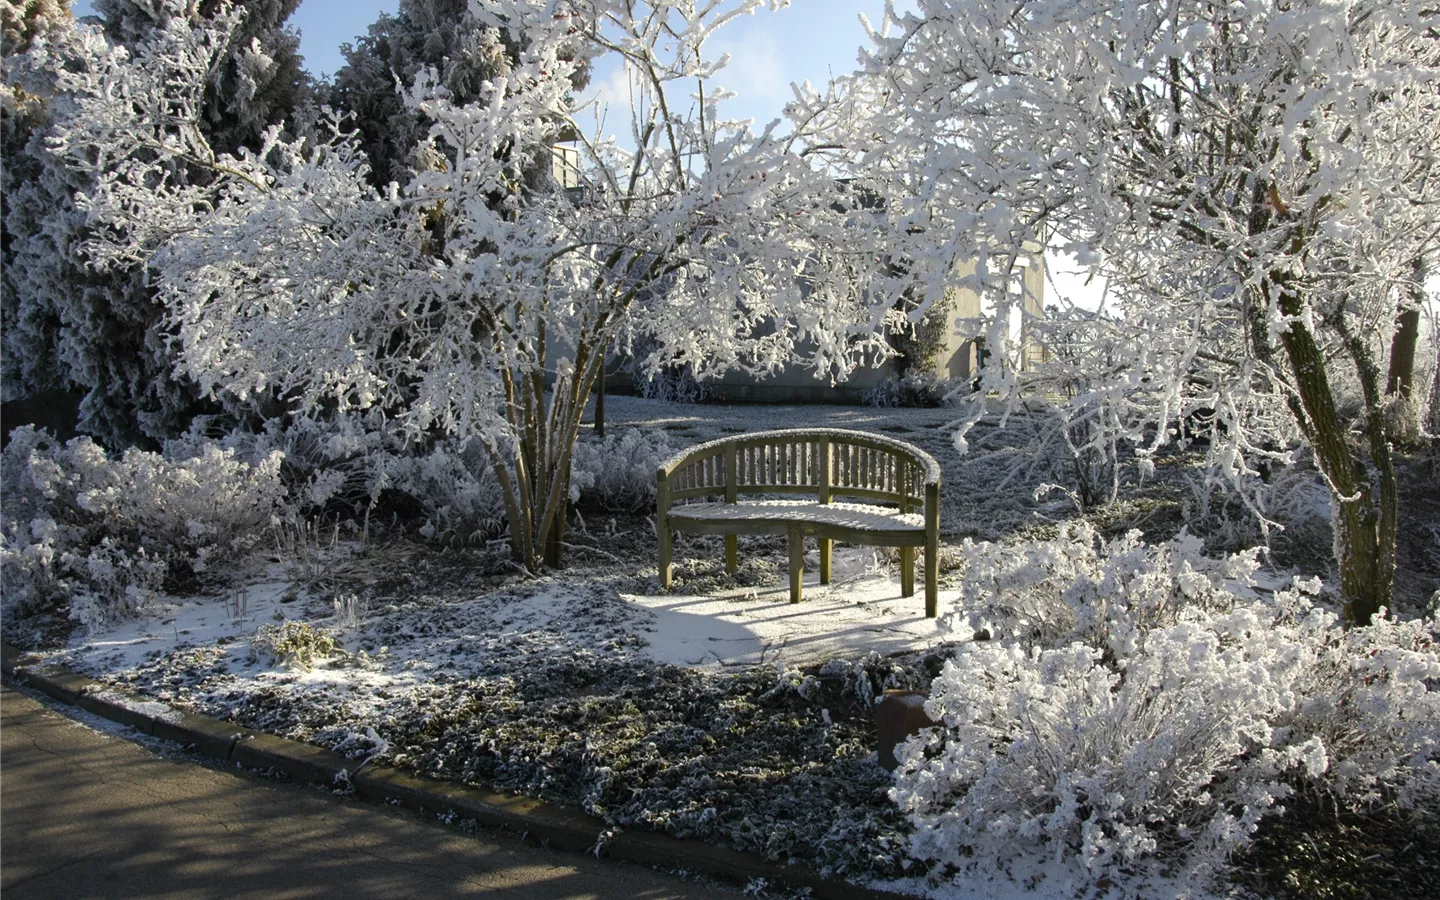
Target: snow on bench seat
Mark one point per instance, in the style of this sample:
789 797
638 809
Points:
861 516
891 493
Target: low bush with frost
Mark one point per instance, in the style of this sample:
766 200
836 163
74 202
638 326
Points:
454 484
351 463
347 465
92 535
1289 511
294 644
618 473
1142 700
916 389
1081 587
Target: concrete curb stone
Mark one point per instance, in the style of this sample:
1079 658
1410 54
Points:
301 762
10 657
57 681
127 709
568 829
556 826
209 737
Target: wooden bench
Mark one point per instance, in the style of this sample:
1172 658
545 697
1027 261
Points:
795 476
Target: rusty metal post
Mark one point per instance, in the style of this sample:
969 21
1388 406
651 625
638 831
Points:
899 715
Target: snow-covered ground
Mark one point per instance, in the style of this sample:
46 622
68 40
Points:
860 611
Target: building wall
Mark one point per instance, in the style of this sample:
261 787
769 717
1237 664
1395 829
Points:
959 358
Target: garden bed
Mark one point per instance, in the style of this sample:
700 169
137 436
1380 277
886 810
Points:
718 712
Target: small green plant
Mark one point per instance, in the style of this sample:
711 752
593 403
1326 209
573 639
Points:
295 644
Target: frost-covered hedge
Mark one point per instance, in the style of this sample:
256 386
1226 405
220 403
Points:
618 472
349 465
1141 699
92 535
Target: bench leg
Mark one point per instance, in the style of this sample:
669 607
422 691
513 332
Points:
797 563
932 576
825 560
907 571
667 550
732 554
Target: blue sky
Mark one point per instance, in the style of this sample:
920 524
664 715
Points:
809 40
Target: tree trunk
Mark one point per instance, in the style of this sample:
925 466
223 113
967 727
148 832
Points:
555 540
537 516
1434 428
1366 501
1401 382
1404 404
600 404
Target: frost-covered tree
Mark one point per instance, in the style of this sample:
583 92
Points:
28 334
22 20
443 36
258 81
472 300
67 323
1257 180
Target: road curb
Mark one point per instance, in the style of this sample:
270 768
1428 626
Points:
10 657
301 762
58 682
127 709
209 737
556 826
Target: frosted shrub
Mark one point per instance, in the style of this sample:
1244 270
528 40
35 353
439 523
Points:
1079 586
1290 513
30 567
916 389
93 534
111 581
618 473
1141 701
205 508
294 644
343 465
454 484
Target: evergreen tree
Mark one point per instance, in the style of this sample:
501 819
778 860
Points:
29 332
259 82
439 35
102 332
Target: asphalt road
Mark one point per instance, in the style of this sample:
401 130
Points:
86 814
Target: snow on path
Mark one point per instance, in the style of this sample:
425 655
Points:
860 611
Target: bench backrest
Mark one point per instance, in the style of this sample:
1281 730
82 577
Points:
826 463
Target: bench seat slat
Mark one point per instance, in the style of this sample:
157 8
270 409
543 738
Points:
856 516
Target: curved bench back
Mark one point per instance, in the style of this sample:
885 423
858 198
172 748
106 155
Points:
822 462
